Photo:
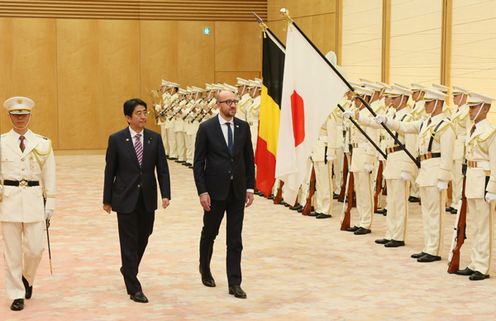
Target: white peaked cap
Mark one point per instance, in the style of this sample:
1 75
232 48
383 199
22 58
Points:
371 85
476 99
398 90
433 94
417 87
19 105
457 90
363 91
242 82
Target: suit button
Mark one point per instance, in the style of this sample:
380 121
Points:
139 185
232 159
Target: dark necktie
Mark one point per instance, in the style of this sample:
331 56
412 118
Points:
21 144
472 130
230 142
139 148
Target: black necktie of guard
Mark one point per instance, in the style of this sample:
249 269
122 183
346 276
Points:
230 142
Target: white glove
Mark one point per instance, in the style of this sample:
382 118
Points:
48 214
368 167
380 119
405 176
441 185
490 197
348 114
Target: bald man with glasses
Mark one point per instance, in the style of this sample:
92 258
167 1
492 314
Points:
224 174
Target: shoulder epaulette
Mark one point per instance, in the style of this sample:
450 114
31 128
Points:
488 135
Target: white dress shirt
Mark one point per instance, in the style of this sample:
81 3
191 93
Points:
223 126
133 134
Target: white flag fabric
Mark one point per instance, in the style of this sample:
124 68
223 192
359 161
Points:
311 89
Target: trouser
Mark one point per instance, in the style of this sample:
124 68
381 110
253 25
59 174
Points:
23 248
254 135
432 218
163 133
211 223
171 138
480 224
134 230
364 198
189 148
305 185
338 170
397 215
180 146
457 182
323 194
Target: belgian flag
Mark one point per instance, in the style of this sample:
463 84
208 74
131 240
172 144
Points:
274 54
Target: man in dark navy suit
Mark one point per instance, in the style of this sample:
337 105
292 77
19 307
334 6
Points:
225 178
130 188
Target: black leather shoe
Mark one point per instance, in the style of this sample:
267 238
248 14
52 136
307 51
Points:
381 211
322 215
477 276
270 197
394 243
362 231
454 211
139 297
465 272
17 305
29 289
285 204
295 208
428 258
237 291
382 241
449 209
417 255
335 196
207 279
300 210
413 199
312 214
352 229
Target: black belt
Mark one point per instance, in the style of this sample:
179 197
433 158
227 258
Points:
22 183
429 155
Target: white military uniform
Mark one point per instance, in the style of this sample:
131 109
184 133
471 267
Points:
481 178
170 124
22 209
179 130
399 168
323 184
252 115
435 147
243 105
363 162
461 123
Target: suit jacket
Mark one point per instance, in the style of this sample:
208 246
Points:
214 165
125 178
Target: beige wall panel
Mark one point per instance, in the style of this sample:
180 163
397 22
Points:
238 46
98 71
279 29
31 62
323 32
298 8
5 68
361 44
158 56
230 76
195 61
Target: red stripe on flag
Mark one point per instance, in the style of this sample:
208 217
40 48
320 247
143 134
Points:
266 167
298 113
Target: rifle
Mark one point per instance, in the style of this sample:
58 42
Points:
342 192
378 186
278 197
177 112
346 212
459 231
47 225
189 112
307 209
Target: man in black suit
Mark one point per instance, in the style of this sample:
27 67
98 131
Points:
225 178
130 188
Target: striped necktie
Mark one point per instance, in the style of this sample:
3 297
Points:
138 147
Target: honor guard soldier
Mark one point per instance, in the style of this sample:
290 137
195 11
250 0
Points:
363 162
436 139
461 123
254 110
170 123
27 186
480 188
399 168
245 98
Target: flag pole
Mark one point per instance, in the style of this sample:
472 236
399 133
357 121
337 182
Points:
388 130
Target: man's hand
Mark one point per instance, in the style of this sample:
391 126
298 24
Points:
165 202
249 199
48 214
205 201
107 208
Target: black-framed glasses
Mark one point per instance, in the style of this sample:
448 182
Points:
230 102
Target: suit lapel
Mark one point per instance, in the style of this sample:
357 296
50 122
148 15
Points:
128 142
147 144
237 136
220 135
